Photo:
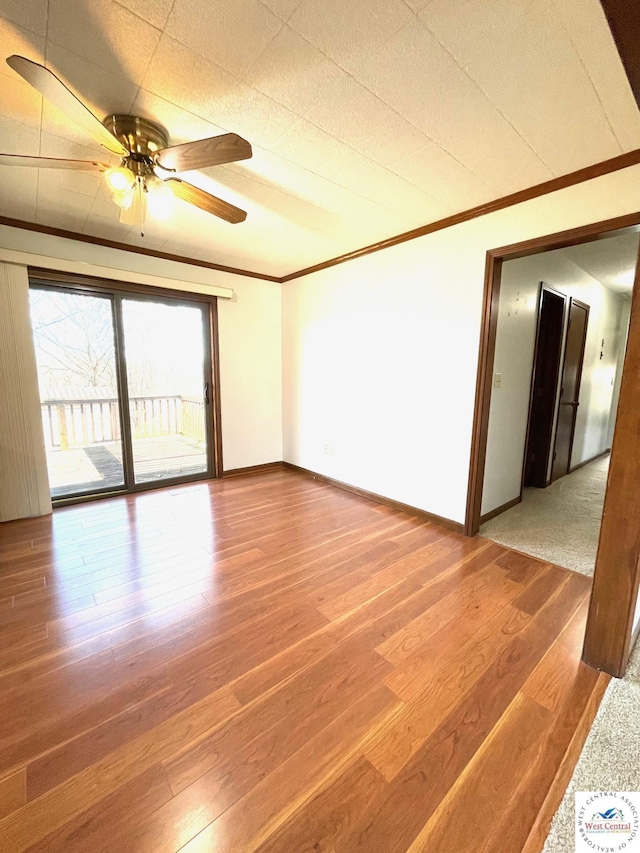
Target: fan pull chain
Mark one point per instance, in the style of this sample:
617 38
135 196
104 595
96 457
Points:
142 189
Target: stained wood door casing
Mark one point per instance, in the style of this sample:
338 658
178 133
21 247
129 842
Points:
610 627
570 388
611 632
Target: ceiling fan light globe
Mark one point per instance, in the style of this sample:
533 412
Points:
124 198
120 179
160 200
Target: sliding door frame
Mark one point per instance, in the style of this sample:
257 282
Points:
108 288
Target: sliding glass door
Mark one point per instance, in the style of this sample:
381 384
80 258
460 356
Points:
167 389
77 372
125 388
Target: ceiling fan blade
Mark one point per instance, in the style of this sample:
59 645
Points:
56 92
51 163
206 201
213 151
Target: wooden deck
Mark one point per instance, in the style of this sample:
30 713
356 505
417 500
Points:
99 466
265 663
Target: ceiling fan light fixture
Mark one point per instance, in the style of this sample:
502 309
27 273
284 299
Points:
143 146
120 179
160 199
124 199
133 210
139 205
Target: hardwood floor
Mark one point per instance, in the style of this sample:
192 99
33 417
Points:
267 663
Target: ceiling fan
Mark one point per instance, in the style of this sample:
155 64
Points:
148 164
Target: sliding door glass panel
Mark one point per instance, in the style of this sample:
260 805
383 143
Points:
75 352
165 358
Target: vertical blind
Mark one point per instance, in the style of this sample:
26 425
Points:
24 486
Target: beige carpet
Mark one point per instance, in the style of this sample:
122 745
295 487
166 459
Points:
560 523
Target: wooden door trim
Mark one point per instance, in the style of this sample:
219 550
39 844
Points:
610 632
486 358
486 353
532 378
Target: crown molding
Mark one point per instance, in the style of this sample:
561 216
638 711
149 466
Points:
597 170
137 250
622 161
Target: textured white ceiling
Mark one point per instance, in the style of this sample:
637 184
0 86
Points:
612 262
367 118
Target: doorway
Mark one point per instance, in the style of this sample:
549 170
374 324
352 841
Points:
167 388
543 396
555 389
126 385
614 621
560 339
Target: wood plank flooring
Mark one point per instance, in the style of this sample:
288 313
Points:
267 663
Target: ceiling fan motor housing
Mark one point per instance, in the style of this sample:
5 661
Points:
138 135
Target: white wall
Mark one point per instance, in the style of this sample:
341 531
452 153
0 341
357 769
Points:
515 343
249 330
625 315
380 353
598 375
251 374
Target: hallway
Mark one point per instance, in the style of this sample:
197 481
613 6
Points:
560 523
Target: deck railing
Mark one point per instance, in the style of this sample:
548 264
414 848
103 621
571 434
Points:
79 423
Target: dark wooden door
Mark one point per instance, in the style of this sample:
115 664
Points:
545 387
570 389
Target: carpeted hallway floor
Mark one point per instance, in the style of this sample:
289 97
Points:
560 523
